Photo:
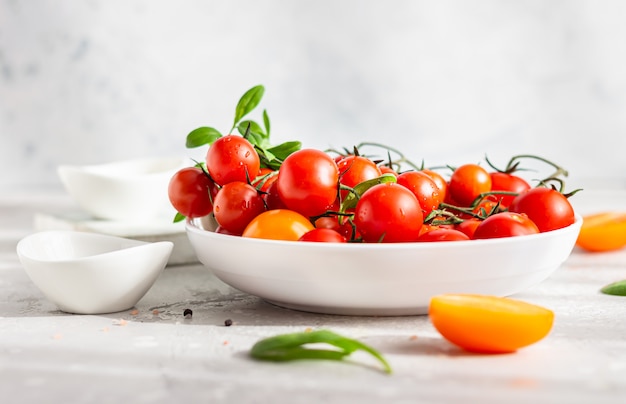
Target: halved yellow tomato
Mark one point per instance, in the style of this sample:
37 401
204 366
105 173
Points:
489 324
604 231
278 224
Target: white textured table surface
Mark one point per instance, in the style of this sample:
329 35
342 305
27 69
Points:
154 354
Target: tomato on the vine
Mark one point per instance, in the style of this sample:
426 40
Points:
191 191
468 226
424 188
505 224
440 181
271 197
278 224
547 207
388 213
443 234
232 158
355 169
307 182
467 182
387 170
236 204
265 178
323 236
508 183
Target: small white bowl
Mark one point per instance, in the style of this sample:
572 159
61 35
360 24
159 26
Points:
131 190
378 279
88 273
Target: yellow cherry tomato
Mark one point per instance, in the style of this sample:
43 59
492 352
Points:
278 224
489 324
603 232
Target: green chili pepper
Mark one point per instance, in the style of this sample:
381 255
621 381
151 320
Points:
287 347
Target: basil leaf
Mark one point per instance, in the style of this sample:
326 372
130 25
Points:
287 347
255 129
256 139
266 122
201 136
351 198
283 150
616 288
179 217
268 159
248 102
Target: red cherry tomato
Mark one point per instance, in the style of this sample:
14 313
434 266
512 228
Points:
509 183
232 158
505 224
308 181
263 181
548 208
190 191
388 213
355 169
468 226
271 197
467 182
323 236
345 228
387 170
441 182
424 188
443 234
236 204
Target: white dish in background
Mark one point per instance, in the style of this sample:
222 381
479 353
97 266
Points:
88 273
378 279
131 190
149 230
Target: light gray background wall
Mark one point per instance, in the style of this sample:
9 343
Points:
103 80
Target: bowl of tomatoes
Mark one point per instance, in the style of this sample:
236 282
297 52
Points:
377 279
348 232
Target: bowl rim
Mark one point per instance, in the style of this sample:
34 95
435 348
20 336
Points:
192 225
133 245
102 170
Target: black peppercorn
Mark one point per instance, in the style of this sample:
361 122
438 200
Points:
228 322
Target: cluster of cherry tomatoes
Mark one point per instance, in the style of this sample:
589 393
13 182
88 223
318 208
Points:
315 195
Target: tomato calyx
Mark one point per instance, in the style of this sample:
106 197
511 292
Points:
549 183
442 217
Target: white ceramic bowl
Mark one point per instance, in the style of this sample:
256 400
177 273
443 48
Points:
378 279
131 190
88 273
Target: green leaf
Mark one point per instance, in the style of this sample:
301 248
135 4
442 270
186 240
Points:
202 136
266 122
288 347
616 288
179 217
274 156
352 198
260 137
283 150
248 102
